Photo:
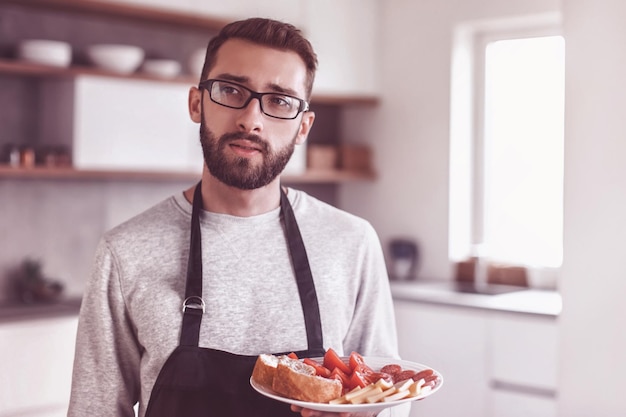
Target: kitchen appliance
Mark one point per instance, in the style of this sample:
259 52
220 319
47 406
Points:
404 259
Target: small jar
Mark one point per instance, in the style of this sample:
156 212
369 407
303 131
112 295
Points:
13 155
27 157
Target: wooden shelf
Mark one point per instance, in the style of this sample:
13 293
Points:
37 70
76 174
42 173
20 68
329 176
131 12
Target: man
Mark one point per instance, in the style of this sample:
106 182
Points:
184 296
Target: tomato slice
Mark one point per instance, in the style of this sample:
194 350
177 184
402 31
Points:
319 368
341 376
357 379
332 361
355 360
292 355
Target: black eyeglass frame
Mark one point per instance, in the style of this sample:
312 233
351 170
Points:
208 84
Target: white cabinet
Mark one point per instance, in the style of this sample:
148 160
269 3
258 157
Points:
345 37
285 10
523 365
343 33
134 124
514 404
123 124
451 341
524 351
494 364
37 358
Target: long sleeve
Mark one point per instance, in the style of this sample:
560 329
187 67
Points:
106 365
373 328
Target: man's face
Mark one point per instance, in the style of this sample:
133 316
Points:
245 148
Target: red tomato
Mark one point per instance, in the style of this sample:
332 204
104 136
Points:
341 376
292 355
332 361
319 369
355 360
364 369
357 379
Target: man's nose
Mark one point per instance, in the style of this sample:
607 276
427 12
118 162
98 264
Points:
251 116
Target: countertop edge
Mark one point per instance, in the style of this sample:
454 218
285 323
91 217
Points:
12 312
526 301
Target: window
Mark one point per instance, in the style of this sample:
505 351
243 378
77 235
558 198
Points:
511 161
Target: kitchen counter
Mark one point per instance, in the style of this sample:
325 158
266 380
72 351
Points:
493 297
489 297
10 312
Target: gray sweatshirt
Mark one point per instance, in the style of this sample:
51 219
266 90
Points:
131 315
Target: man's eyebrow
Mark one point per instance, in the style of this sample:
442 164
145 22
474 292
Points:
271 87
277 88
234 78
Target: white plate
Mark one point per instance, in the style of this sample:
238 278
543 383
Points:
374 363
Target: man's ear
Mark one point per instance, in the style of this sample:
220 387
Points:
305 127
195 104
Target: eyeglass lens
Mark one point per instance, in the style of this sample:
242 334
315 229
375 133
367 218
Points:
237 97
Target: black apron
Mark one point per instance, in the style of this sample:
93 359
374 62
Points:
203 382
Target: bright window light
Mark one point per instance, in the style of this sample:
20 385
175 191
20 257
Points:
520 217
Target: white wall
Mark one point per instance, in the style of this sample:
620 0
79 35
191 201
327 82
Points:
593 361
410 131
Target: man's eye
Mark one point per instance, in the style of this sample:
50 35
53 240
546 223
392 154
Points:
230 90
281 101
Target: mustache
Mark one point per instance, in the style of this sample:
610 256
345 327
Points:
227 137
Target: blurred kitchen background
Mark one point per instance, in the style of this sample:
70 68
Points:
481 138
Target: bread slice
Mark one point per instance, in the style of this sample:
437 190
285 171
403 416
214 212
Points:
297 380
264 370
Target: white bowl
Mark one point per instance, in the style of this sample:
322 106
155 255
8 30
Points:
47 52
164 68
123 59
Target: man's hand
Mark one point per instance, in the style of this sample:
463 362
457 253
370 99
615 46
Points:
312 413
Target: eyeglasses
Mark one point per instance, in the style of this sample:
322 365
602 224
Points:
236 96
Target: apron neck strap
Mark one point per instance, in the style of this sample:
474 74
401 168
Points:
193 306
192 316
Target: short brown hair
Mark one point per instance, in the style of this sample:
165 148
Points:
265 32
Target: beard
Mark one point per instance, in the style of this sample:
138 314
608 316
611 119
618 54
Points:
241 172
